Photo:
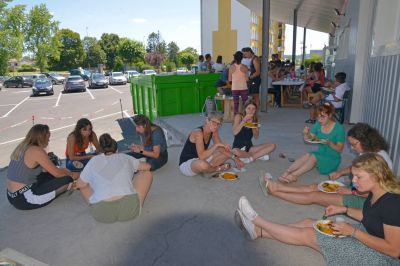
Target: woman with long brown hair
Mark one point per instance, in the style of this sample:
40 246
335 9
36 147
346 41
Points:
78 142
28 186
153 146
243 135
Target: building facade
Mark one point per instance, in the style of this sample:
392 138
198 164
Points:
227 26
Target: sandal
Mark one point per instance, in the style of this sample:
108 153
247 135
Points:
263 181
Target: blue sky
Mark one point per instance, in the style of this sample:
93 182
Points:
177 20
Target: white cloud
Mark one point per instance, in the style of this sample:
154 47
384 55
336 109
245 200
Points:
182 27
139 20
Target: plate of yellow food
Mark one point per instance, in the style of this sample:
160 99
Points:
230 176
315 140
252 125
325 227
330 186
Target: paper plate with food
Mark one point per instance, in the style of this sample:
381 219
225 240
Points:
315 140
330 186
230 176
252 125
325 227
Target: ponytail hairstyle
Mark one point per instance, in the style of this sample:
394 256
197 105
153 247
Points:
36 136
108 144
142 120
374 164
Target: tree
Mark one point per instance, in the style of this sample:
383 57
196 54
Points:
41 36
172 52
155 59
131 51
188 56
12 23
71 49
93 55
109 43
155 44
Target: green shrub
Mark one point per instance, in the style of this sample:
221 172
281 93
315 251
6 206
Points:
27 68
142 66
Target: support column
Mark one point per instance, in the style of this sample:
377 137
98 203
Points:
294 35
265 56
304 46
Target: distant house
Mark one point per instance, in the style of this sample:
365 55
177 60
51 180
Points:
15 63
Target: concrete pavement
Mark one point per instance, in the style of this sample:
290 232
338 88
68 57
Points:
185 220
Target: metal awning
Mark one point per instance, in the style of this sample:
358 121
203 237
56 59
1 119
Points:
313 14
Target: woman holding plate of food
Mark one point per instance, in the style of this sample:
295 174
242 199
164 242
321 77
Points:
327 157
374 240
245 127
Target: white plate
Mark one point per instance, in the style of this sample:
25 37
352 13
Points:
328 89
321 188
324 222
320 141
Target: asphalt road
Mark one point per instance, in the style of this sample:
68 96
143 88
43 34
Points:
19 110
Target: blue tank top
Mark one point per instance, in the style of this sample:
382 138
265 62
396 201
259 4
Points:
18 171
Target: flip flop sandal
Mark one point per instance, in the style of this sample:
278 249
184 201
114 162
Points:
263 182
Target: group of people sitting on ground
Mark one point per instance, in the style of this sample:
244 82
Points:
114 184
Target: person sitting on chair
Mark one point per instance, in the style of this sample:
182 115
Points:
336 98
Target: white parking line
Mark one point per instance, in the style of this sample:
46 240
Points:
58 99
41 98
47 118
114 103
98 111
91 95
11 104
64 127
15 107
111 87
66 117
20 123
15 92
129 117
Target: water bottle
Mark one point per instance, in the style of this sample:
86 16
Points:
91 149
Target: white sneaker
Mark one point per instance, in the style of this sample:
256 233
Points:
246 159
246 209
244 223
264 158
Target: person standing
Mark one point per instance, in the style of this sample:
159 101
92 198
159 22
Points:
238 78
254 81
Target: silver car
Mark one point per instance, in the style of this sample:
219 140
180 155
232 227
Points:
117 78
98 80
74 83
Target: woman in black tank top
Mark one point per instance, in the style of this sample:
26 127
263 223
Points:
245 126
198 156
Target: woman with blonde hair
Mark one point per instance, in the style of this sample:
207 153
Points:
375 240
28 187
327 158
244 134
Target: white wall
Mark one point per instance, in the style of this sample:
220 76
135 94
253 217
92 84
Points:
241 21
209 23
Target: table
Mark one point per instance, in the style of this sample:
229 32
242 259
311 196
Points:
287 82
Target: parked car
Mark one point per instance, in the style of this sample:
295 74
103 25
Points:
85 74
98 80
194 69
181 70
74 83
117 78
38 76
55 78
42 87
18 82
131 74
148 72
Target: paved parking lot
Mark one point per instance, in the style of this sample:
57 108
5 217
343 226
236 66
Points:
19 110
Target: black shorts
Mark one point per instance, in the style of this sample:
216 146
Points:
155 163
38 194
240 145
254 85
316 87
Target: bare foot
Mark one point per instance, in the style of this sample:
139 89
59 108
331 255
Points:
272 187
283 177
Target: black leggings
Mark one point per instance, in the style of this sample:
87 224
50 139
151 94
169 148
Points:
155 163
38 194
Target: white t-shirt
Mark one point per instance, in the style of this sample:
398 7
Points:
218 67
385 156
339 93
110 176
